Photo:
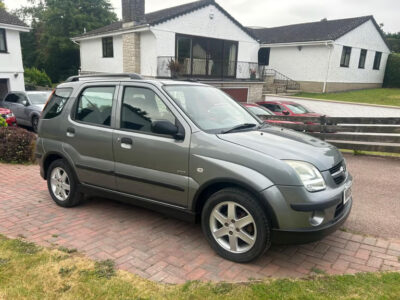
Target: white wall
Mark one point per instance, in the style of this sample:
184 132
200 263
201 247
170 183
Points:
199 23
308 64
11 62
148 54
367 37
92 59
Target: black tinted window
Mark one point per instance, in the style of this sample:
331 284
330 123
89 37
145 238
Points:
95 105
56 103
140 107
274 107
11 98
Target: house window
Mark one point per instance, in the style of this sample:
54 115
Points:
363 57
3 41
377 60
108 48
263 56
206 57
345 60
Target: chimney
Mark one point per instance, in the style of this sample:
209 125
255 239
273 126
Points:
133 11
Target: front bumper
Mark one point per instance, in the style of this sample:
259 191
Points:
307 235
301 216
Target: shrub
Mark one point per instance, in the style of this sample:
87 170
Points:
392 75
35 77
16 145
3 122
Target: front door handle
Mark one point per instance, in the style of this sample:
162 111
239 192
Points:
70 132
126 143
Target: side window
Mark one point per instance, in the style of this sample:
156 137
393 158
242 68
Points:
21 98
274 107
95 105
56 103
140 107
11 98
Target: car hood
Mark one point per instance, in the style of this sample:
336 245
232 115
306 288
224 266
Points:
282 143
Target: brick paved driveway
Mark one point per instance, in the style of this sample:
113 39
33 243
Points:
163 249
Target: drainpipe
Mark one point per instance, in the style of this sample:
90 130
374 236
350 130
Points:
330 45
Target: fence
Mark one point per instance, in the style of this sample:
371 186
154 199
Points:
207 68
365 134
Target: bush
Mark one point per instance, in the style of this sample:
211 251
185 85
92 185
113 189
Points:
3 122
17 145
35 77
392 75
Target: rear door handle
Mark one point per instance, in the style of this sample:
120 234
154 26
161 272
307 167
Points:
126 143
70 132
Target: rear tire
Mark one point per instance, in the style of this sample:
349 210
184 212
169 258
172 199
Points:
62 184
236 225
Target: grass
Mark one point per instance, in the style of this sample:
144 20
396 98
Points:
373 96
31 272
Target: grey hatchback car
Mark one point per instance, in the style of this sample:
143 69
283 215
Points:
26 106
189 150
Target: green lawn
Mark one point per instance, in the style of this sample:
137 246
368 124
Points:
374 96
31 272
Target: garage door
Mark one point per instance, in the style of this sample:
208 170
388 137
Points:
239 94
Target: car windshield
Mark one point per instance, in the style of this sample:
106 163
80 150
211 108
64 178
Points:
39 98
210 109
298 109
259 111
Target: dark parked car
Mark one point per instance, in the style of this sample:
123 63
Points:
27 106
190 150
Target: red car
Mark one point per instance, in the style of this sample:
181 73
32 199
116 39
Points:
288 108
263 112
7 115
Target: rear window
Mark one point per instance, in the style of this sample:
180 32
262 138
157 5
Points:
57 103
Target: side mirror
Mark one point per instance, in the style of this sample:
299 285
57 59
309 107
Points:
286 113
25 103
167 128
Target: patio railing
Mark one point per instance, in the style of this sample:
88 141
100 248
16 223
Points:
169 67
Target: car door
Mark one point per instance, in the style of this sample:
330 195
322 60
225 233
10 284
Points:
88 134
149 165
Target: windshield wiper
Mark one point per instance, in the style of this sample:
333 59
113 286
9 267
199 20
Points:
239 127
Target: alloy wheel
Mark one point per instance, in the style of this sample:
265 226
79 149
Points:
60 184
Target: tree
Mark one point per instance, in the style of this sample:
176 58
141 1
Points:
393 40
2 5
54 22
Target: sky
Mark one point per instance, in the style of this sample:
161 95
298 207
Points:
271 13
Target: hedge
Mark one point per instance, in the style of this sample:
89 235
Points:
35 77
17 145
392 75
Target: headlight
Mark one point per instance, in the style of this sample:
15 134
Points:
309 175
10 115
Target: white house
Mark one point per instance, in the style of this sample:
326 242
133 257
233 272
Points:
11 68
204 42
327 56
201 37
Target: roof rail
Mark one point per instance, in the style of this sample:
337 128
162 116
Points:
105 75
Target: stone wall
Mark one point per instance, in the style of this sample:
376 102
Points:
131 52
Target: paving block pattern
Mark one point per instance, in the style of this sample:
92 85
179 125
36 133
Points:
167 250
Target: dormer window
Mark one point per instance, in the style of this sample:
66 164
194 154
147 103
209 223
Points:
3 41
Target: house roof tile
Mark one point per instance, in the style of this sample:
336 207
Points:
7 18
315 31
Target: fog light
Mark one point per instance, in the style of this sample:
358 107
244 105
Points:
317 218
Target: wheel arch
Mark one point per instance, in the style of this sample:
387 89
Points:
213 186
53 156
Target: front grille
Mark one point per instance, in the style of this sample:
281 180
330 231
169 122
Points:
338 173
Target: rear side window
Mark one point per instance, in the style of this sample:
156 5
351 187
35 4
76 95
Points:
274 107
95 105
57 103
13 98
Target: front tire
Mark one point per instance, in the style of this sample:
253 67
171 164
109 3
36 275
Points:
62 184
35 123
236 225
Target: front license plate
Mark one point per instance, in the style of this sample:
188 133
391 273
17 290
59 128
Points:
347 192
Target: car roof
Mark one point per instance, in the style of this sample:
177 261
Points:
279 102
251 104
